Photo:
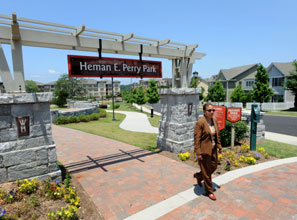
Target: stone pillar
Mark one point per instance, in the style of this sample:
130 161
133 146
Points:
27 148
179 109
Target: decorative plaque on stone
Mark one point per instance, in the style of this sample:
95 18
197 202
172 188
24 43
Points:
23 124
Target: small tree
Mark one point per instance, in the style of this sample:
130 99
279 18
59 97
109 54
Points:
292 82
31 86
216 92
261 91
71 86
201 96
238 94
152 92
140 97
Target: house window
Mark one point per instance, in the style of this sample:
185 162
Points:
249 83
277 81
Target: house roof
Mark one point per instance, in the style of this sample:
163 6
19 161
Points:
235 71
285 68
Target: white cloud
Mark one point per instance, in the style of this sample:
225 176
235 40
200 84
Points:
35 76
53 72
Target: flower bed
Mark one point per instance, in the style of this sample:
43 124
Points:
33 199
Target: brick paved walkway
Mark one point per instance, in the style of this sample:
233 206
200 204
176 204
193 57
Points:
122 180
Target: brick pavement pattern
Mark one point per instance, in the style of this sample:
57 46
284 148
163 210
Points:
267 194
122 180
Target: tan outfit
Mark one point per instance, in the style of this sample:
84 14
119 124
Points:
206 142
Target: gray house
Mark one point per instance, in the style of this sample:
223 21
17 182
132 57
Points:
278 73
241 75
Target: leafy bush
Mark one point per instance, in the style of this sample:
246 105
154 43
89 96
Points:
94 116
117 105
102 113
61 120
83 118
240 131
73 119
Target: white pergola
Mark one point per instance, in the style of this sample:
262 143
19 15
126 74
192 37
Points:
18 31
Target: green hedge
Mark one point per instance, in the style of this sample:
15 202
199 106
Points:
102 113
77 119
240 131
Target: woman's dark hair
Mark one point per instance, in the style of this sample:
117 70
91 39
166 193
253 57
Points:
206 105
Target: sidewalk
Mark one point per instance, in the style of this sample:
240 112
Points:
128 182
281 138
137 122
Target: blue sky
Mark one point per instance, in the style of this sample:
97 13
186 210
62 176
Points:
231 32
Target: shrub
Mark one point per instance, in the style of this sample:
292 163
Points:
117 105
82 118
73 119
240 131
61 120
102 113
94 116
102 106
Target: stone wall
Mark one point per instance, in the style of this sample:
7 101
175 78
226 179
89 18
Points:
272 106
176 127
33 154
73 112
81 104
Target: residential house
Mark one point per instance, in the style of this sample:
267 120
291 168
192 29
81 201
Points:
241 75
278 73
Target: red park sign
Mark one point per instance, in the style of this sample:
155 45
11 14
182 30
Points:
220 115
234 114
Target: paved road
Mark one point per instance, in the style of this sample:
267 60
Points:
281 124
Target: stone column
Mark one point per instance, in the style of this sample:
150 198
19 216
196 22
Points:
179 109
27 148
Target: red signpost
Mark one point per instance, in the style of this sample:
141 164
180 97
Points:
234 114
220 115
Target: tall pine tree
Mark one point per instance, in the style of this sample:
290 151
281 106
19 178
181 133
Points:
261 91
292 82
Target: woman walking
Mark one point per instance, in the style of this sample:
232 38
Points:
207 141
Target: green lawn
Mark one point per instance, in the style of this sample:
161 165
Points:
127 107
282 113
278 149
107 128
